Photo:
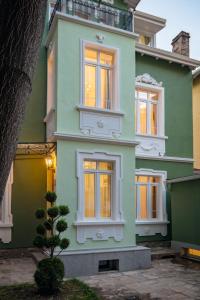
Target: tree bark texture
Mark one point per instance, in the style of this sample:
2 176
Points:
21 28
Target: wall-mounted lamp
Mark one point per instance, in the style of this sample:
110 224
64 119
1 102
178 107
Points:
49 162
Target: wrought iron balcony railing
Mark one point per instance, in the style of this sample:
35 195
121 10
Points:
94 11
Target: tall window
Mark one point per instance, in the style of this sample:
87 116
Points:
97 188
98 78
147 107
147 197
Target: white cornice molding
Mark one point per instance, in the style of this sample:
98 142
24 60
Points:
91 24
183 179
167 55
90 139
147 79
167 158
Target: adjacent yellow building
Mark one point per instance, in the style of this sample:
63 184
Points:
196 118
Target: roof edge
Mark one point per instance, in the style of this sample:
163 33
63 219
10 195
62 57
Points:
167 55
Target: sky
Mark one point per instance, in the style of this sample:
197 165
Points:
180 15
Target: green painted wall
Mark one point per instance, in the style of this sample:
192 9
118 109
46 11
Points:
67 190
177 81
33 127
174 169
28 190
185 204
69 75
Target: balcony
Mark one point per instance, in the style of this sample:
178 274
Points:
96 12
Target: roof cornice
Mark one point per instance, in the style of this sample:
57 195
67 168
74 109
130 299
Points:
196 73
167 55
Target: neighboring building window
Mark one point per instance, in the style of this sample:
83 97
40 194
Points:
97 188
149 113
150 195
98 77
147 194
147 40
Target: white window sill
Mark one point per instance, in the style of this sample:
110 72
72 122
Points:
99 222
99 110
149 222
161 137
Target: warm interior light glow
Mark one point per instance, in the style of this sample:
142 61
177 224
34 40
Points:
193 252
49 162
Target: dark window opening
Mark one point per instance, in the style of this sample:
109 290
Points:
109 265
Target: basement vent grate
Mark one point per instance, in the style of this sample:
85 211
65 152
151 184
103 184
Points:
109 265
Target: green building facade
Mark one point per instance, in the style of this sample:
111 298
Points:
111 115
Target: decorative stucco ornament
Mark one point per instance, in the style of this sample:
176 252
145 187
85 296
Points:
148 79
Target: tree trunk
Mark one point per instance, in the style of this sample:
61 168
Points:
21 28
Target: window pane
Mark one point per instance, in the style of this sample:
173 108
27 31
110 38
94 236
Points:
90 85
105 195
105 166
106 58
89 192
154 179
87 164
142 179
91 55
143 117
142 95
153 96
154 119
144 40
154 192
143 201
105 88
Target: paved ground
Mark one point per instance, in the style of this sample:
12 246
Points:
16 270
165 280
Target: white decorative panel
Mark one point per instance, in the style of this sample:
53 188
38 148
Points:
151 229
98 124
149 145
99 232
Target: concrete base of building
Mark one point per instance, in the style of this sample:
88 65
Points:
92 262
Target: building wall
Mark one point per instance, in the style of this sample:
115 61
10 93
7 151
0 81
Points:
28 192
67 191
196 122
185 208
33 127
177 82
70 36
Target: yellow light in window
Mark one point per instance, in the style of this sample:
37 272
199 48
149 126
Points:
194 252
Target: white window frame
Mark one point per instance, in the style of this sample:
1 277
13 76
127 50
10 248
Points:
97 203
116 208
161 201
6 220
160 111
115 74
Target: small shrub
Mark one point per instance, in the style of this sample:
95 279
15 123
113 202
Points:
51 197
61 225
50 271
49 275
